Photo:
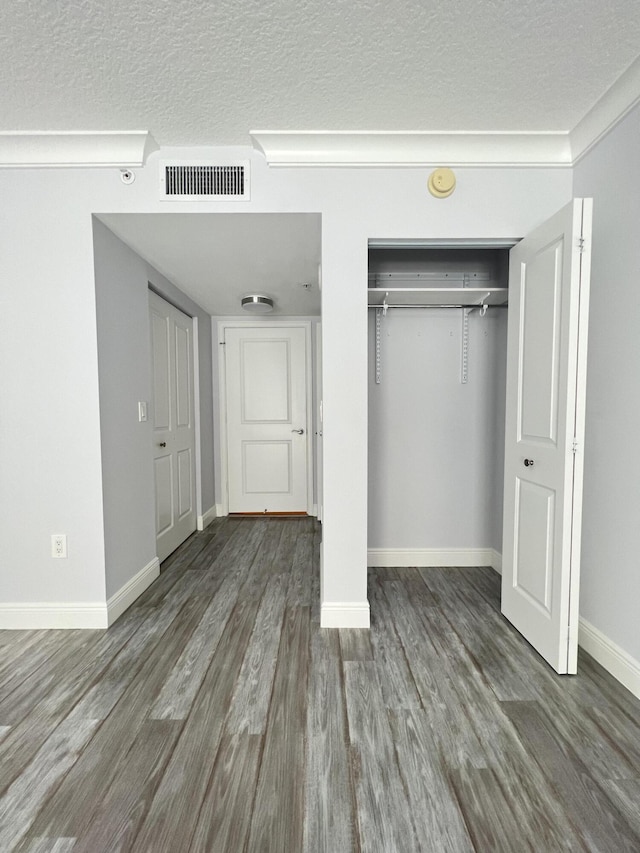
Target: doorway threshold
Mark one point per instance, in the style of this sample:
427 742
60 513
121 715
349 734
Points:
268 514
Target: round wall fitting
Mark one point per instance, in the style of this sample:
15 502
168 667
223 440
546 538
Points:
441 183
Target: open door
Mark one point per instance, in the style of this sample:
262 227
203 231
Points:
546 377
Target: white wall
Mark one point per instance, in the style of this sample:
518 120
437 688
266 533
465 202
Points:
50 449
610 588
50 465
122 281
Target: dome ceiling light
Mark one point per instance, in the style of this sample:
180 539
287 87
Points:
256 304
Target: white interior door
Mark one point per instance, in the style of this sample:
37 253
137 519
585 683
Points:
173 424
546 373
267 420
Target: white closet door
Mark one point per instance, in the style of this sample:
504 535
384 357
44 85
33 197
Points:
267 420
546 373
173 424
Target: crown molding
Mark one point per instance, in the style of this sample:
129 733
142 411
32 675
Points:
607 112
33 149
368 149
308 148
412 148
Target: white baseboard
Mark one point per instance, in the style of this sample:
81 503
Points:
206 518
35 615
430 557
127 594
496 561
344 614
615 660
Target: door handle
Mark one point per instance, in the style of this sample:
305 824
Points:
162 444
528 463
299 431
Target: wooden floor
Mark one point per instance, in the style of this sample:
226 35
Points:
215 715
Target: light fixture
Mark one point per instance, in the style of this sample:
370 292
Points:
256 304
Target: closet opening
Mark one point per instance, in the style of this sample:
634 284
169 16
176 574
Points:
437 374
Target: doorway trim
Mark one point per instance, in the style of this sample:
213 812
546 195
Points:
223 325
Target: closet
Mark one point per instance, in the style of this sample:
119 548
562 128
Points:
476 419
437 363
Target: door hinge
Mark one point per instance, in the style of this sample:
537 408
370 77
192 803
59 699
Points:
223 343
574 445
581 245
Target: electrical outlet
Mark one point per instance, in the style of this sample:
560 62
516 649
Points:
59 545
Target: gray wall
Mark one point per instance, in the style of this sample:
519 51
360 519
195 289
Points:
122 279
436 446
610 587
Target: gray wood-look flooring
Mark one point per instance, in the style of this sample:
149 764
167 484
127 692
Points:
216 715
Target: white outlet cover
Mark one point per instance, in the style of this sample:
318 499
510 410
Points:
58 545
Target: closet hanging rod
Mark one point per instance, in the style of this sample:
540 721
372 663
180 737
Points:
467 305
444 297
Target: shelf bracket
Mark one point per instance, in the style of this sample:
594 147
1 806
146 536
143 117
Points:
464 356
464 359
379 315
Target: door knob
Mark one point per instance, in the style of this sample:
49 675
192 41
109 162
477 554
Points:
299 431
162 444
528 463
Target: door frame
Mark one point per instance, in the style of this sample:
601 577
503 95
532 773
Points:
318 421
581 365
223 325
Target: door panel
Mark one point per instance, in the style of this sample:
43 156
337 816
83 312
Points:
265 381
185 482
160 333
173 424
164 493
540 331
546 368
267 467
533 571
184 384
267 419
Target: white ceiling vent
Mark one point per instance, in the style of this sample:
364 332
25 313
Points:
200 181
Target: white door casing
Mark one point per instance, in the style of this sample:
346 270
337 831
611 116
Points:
319 445
267 417
546 378
173 426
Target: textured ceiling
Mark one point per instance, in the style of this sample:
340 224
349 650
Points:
208 71
217 258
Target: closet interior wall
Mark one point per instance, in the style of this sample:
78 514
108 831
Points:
436 444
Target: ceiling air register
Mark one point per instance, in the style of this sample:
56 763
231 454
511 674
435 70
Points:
202 181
